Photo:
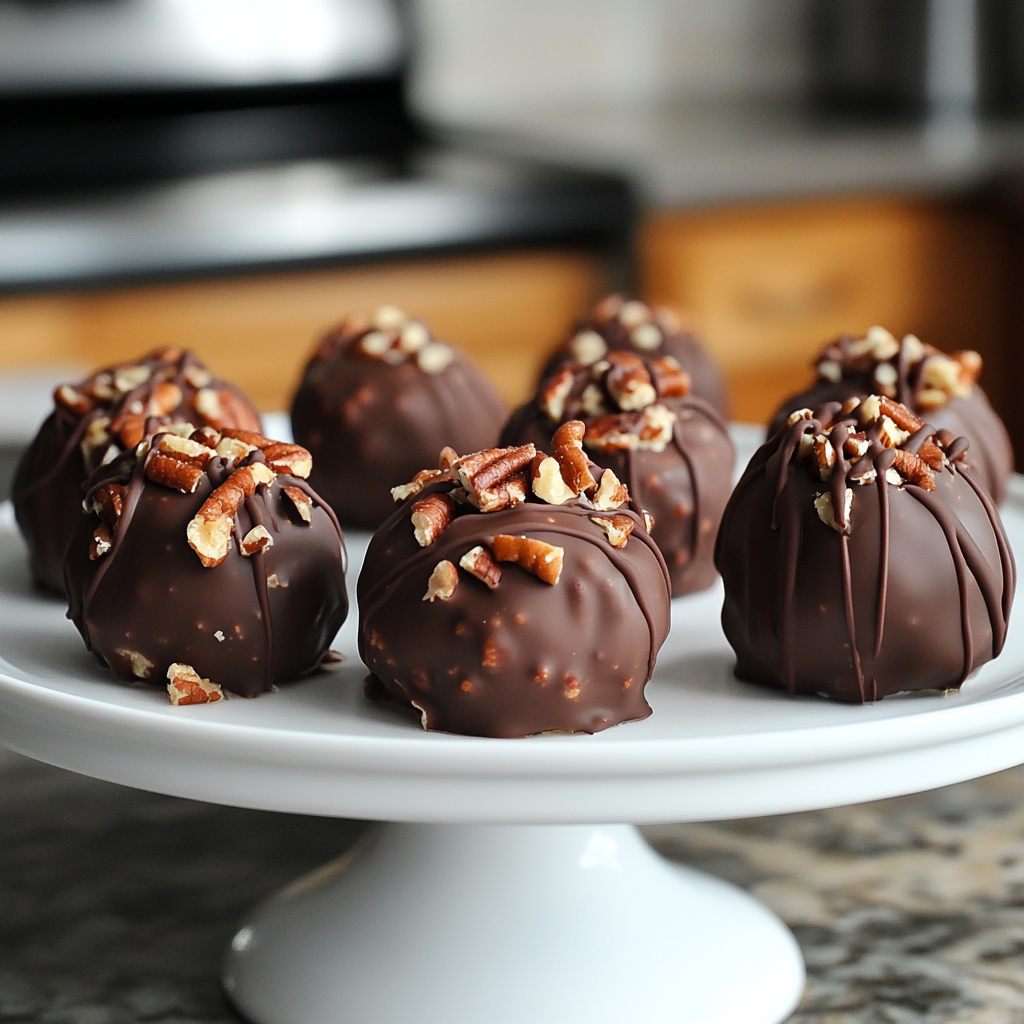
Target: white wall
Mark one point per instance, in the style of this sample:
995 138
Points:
483 60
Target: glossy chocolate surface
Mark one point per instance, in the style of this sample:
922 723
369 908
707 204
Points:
912 592
246 624
527 656
965 415
371 424
47 488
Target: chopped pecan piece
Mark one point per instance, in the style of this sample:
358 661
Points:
932 455
185 686
166 397
496 478
443 581
611 494
479 563
434 357
132 430
799 414
587 347
302 502
890 434
209 533
128 378
288 458
913 469
232 449
567 449
185 449
629 383
108 501
823 506
70 398
532 554
430 517
970 365
824 456
856 445
900 415
617 527
256 540
547 481
554 392
418 482
670 379
165 469
100 543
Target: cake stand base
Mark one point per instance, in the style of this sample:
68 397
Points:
511 924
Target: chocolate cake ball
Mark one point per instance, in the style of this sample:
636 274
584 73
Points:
618 325
206 562
644 423
93 422
378 400
942 388
862 557
514 593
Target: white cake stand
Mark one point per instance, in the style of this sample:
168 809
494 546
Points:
499 896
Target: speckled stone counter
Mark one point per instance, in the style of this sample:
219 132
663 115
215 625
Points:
115 905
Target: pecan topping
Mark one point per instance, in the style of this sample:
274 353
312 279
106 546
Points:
435 357
256 540
479 563
101 542
73 400
179 474
418 482
824 456
900 415
617 527
628 382
651 431
567 449
301 501
443 581
932 455
547 480
185 449
185 686
166 397
555 391
913 469
132 430
497 477
430 517
288 458
587 347
611 494
107 502
535 556
823 505
209 533
670 379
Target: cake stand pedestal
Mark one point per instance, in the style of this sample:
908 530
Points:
463 924
510 895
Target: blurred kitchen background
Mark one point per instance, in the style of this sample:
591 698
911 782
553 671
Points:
235 175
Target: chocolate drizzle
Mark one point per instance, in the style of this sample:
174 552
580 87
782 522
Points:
805 544
47 485
161 605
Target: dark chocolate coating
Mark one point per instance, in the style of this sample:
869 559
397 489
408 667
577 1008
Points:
47 486
505 662
152 595
685 487
990 454
915 597
706 378
371 426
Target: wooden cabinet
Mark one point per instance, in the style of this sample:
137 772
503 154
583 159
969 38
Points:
769 285
508 311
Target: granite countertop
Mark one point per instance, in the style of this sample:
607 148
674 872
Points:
702 152
116 905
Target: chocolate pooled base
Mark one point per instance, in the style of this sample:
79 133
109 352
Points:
527 656
913 592
371 421
89 418
247 623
